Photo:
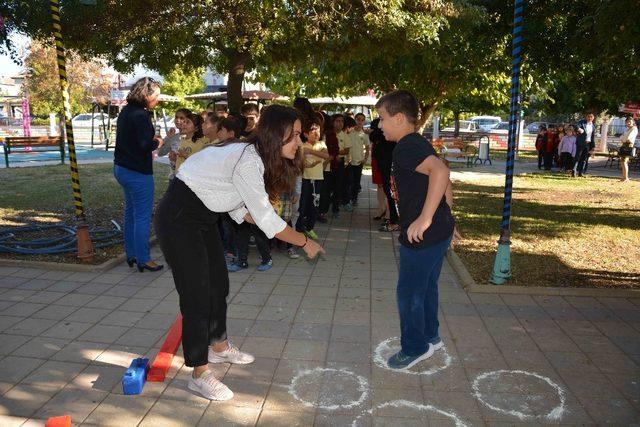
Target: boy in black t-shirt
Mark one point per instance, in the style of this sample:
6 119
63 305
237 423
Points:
424 198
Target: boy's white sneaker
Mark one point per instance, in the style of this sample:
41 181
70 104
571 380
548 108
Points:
438 345
231 355
208 386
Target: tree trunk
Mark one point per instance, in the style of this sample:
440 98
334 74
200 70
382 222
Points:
456 121
237 67
426 111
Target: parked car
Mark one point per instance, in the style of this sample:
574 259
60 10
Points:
486 123
503 128
465 126
535 127
84 120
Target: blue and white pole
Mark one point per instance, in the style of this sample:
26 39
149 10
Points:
502 265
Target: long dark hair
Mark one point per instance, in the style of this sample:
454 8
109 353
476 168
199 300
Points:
279 173
197 120
306 111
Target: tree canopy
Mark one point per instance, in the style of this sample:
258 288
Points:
87 82
449 52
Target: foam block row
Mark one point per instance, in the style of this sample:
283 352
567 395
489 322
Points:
162 363
63 421
136 376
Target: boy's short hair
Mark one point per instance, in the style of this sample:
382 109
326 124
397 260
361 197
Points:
349 122
400 101
360 114
233 124
183 111
250 108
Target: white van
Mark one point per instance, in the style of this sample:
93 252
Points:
486 123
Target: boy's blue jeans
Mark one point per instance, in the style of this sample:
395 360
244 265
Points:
138 206
418 296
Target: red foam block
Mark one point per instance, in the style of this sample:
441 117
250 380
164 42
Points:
162 363
63 421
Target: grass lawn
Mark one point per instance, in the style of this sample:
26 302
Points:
564 232
42 195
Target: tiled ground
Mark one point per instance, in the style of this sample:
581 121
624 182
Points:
66 339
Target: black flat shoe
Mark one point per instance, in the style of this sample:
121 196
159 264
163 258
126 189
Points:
156 267
131 261
379 217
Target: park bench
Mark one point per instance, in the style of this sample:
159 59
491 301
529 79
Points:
463 150
32 145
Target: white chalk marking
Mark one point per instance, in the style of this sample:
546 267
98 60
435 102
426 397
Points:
362 387
386 349
411 405
555 414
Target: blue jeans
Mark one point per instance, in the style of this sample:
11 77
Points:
138 206
418 296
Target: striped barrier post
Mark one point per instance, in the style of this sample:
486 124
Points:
502 265
85 247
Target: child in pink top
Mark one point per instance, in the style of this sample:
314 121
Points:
567 149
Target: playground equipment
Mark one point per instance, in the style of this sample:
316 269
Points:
84 244
502 265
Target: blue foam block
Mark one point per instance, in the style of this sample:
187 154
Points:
135 377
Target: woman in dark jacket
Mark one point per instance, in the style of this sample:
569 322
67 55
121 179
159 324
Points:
383 152
133 169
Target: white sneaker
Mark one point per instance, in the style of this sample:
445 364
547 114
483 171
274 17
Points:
438 345
208 386
231 355
293 254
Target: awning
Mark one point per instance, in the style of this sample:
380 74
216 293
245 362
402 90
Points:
251 95
369 101
630 107
119 97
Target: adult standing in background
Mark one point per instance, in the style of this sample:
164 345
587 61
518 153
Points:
133 169
627 140
585 143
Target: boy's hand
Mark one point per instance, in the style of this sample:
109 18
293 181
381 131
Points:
417 228
171 132
173 155
248 218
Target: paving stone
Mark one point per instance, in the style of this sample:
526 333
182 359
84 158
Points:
80 352
55 312
87 315
311 331
225 414
305 350
23 309
25 399
285 419
122 318
78 403
117 410
54 373
103 333
67 330
264 347
41 348
45 297
13 369
11 342
270 329
279 314
141 337
29 326
163 413
36 284
106 302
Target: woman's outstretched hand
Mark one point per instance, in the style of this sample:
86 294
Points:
312 248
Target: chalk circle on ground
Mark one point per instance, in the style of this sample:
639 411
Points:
440 360
329 389
409 405
525 395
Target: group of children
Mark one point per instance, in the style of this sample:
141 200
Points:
565 147
335 149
